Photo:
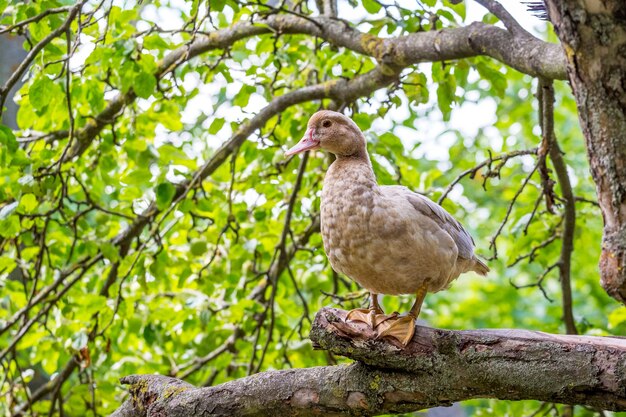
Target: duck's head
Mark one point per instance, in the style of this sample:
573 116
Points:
332 132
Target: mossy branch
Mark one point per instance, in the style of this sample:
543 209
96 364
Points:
438 367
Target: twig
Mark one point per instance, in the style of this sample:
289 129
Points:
585 200
533 212
539 282
279 263
48 387
68 95
35 18
569 225
276 10
502 159
49 303
198 363
48 137
492 242
44 292
531 255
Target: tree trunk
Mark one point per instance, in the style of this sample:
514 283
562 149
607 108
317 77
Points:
438 367
11 54
593 34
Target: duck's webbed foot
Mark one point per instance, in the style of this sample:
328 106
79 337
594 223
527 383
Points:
372 316
401 329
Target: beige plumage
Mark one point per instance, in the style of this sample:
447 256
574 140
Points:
387 238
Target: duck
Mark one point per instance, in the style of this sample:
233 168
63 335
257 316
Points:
387 238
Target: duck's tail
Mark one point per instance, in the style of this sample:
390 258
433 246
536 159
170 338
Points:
480 267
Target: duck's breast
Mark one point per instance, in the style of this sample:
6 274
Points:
380 241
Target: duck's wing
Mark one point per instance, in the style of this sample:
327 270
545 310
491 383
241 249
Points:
439 215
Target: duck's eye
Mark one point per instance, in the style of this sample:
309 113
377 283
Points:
327 123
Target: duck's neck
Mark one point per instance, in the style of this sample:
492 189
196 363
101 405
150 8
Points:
356 168
359 154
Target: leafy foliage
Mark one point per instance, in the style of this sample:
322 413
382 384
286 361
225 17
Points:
130 258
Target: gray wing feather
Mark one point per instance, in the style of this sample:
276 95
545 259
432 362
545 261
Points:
463 240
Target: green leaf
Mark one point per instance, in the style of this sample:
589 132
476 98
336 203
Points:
110 251
169 116
243 97
28 202
144 84
497 79
445 98
617 316
416 87
137 177
372 6
40 92
91 304
8 146
459 9
127 75
10 226
217 5
6 264
7 138
216 125
164 194
198 248
154 41
149 334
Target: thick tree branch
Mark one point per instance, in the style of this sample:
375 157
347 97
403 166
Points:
438 367
526 54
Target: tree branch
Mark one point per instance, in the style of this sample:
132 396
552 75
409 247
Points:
33 19
471 172
438 367
505 17
569 224
528 55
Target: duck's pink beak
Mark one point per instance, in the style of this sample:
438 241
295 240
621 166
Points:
306 143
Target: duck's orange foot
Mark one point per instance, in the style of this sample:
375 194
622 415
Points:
401 329
373 317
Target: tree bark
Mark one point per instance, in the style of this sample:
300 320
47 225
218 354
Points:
438 367
11 54
593 34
